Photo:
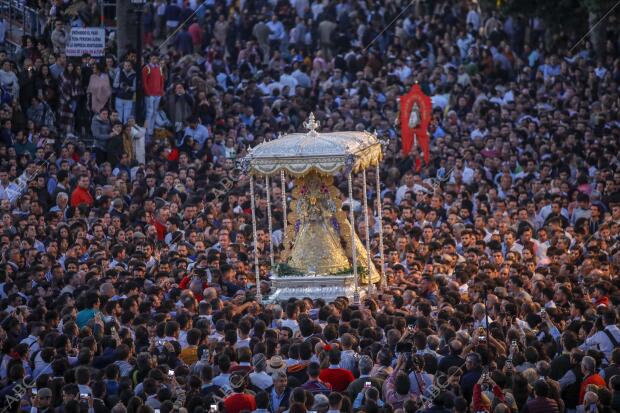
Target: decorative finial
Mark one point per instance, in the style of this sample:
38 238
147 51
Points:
311 124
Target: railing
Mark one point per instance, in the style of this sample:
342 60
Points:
20 20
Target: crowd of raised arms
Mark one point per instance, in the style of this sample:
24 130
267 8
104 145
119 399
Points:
127 278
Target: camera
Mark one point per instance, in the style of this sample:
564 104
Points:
170 374
367 385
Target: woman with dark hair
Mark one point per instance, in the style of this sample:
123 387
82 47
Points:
134 404
69 90
520 389
99 88
47 86
27 85
28 50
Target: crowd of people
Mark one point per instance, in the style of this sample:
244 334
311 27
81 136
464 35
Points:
127 278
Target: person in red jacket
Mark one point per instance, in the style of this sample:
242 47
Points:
80 194
153 83
239 400
480 402
338 377
590 376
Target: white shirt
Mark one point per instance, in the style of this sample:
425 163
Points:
32 342
292 324
216 337
244 342
473 18
302 79
222 380
482 323
10 192
2 30
400 193
348 360
403 73
317 8
290 81
262 380
601 342
300 6
183 339
277 30
200 134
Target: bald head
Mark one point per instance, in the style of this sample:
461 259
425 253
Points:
210 293
456 347
107 290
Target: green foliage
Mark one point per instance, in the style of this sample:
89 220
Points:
360 270
285 270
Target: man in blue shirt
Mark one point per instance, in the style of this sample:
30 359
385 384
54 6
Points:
471 377
93 302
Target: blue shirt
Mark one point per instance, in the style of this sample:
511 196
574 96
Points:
276 400
84 316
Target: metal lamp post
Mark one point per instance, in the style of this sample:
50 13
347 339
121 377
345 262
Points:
138 6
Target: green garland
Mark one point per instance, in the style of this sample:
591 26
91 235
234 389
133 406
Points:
285 270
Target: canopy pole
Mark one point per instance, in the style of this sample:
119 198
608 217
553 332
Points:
380 218
285 222
269 222
356 292
367 227
259 296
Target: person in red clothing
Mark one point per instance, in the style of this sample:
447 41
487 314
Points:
339 378
239 400
153 81
600 295
480 402
159 222
80 194
590 376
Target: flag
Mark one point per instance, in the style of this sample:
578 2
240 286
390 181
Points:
415 116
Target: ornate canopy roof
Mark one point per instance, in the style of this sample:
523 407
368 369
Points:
327 153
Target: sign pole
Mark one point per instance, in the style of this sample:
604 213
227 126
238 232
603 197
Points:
139 4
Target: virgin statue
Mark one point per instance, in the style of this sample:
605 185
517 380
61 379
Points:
318 239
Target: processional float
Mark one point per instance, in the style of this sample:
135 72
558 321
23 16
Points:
322 255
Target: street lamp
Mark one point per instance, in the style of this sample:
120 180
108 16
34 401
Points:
138 6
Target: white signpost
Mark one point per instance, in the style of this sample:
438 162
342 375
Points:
86 40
